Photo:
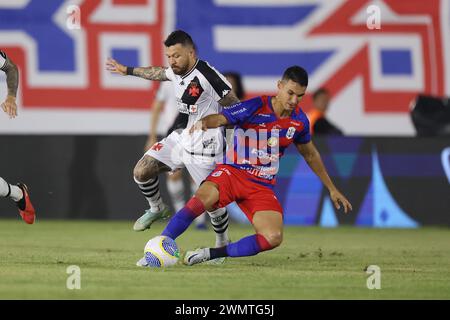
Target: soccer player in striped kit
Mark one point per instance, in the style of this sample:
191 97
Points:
200 90
264 127
16 192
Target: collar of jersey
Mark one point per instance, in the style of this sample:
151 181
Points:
269 102
190 71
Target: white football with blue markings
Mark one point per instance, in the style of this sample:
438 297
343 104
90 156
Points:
161 252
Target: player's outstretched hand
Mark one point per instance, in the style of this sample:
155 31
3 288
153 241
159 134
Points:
10 106
199 125
115 67
339 199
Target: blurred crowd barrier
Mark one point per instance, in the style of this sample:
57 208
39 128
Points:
391 182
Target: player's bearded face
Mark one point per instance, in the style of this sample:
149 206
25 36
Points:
180 58
290 94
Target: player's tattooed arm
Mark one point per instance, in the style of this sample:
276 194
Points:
149 73
9 106
12 77
216 120
229 99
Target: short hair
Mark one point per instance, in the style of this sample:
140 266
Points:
239 89
181 37
296 74
319 92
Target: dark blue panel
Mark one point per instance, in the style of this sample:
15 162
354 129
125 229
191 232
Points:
128 57
396 62
200 17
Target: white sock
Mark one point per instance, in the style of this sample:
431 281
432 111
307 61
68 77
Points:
10 191
150 190
219 220
176 191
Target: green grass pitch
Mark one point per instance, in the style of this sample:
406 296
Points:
312 263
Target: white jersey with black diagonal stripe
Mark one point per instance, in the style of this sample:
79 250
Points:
197 94
2 60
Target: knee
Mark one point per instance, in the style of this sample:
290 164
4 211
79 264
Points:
209 195
144 171
274 238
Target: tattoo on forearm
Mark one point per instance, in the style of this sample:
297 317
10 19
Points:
229 100
151 73
12 77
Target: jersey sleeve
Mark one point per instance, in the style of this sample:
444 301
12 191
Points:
213 82
303 136
169 74
2 60
240 112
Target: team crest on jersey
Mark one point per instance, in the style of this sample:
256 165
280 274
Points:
290 133
191 95
194 89
217 174
272 142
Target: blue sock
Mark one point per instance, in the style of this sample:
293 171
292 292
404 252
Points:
179 223
247 246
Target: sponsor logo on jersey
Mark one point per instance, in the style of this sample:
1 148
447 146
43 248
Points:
238 111
264 155
193 109
210 143
217 174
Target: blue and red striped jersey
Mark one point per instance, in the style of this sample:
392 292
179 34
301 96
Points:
260 137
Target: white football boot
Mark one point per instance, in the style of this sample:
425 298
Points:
196 256
142 262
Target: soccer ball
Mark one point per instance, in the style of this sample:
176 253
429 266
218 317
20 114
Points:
161 252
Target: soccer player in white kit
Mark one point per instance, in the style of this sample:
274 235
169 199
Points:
200 90
165 119
16 192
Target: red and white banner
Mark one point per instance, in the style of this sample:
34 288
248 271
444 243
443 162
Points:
373 74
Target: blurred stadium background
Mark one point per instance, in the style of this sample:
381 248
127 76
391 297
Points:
80 129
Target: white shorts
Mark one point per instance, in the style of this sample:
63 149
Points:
172 153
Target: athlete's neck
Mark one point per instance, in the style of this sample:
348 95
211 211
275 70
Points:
191 66
280 111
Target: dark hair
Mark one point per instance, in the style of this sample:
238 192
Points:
296 74
319 92
239 89
181 37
